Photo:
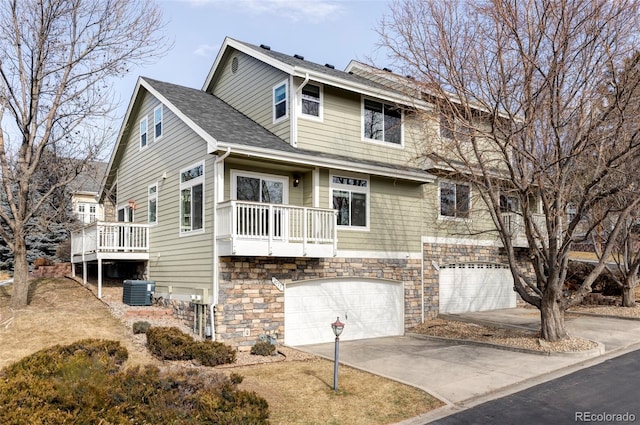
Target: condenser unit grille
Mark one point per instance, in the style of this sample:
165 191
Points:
137 292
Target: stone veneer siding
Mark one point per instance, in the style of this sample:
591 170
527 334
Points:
250 304
443 254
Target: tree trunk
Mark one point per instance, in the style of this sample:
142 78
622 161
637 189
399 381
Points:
552 326
20 296
629 294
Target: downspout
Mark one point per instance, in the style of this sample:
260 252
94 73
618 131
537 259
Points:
214 232
294 110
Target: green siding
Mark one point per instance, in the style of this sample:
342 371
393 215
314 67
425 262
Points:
395 222
250 90
173 259
478 227
340 131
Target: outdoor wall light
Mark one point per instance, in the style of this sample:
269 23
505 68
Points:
337 328
296 180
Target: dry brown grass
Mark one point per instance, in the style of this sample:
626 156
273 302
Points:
60 312
299 392
302 393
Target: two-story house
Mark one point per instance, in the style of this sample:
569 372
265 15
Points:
286 193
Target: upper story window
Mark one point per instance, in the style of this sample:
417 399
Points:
87 212
311 101
455 200
509 203
280 110
457 128
192 199
350 197
382 122
152 204
157 122
143 133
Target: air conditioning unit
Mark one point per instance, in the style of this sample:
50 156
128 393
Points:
138 292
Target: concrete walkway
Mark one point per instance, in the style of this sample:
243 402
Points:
464 375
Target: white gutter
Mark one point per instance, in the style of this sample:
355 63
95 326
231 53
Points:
215 282
294 110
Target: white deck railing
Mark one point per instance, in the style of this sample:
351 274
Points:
515 224
241 220
110 237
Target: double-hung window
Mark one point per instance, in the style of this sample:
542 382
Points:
143 133
382 122
280 109
311 101
157 122
152 204
192 199
455 200
350 197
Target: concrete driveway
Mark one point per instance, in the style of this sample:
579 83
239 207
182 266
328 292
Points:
458 374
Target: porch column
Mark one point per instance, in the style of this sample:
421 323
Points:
99 278
84 272
73 269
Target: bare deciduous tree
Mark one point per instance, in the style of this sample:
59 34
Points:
539 100
58 59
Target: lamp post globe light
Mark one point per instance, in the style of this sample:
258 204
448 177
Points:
337 328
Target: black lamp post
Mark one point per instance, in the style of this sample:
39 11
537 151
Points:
337 328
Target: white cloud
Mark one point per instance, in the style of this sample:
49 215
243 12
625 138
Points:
206 49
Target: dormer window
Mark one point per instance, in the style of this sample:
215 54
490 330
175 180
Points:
143 133
280 109
157 122
382 122
311 103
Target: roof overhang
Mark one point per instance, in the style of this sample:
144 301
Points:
310 160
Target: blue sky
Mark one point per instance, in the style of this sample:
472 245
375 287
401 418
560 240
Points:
322 31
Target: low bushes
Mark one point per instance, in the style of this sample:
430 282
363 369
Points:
140 327
263 348
173 344
85 383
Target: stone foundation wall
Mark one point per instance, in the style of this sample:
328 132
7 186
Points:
250 304
435 255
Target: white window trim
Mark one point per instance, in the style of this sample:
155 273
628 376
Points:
161 109
448 217
151 197
375 141
140 133
284 83
367 191
189 184
320 117
263 176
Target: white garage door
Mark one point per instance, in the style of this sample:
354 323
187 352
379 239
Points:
368 307
475 287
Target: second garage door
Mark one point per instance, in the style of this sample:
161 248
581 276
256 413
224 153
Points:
475 287
368 307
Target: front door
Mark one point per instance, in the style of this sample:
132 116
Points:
125 215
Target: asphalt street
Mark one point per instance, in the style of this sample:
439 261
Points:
606 393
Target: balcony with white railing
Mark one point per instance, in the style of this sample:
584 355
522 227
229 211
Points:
259 229
102 240
515 224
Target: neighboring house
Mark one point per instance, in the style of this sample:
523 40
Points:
286 193
85 193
